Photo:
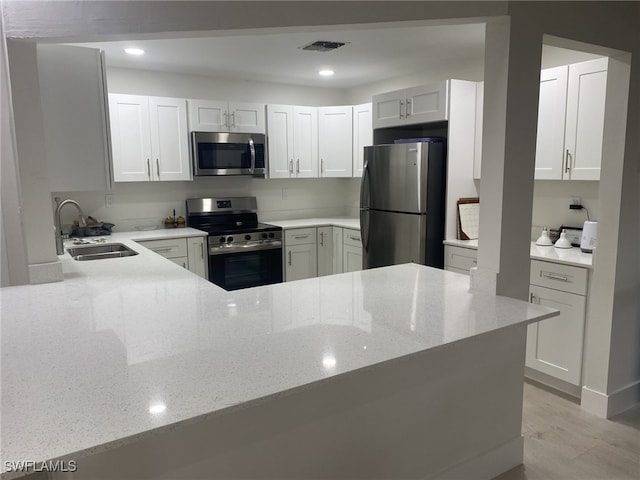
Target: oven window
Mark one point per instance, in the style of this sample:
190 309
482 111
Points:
242 270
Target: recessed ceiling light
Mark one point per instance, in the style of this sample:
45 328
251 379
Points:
325 73
134 51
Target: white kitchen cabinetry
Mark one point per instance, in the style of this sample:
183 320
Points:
477 153
293 141
459 259
329 241
223 116
188 252
362 135
149 138
422 104
352 250
335 141
300 253
73 93
571 121
554 346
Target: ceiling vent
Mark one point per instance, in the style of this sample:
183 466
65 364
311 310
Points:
322 46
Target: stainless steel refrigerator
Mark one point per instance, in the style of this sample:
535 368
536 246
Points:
402 203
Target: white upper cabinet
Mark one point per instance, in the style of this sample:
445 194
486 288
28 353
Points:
335 149
362 135
552 110
571 121
305 142
149 138
293 141
73 93
422 104
586 96
223 116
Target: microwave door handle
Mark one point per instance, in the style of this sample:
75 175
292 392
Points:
252 149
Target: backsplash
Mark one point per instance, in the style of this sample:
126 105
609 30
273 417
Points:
551 200
145 205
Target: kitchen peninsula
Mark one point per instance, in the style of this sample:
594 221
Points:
136 368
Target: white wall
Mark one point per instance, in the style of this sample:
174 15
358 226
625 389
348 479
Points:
166 84
143 204
551 200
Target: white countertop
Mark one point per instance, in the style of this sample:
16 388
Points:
345 222
86 362
567 256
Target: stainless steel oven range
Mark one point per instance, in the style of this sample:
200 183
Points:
242 252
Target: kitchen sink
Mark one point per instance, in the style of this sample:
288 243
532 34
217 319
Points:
99 252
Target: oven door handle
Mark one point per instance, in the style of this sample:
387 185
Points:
224 249
252 149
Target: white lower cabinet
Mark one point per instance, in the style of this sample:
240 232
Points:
300 254
459 259
554 346
352 250
188 252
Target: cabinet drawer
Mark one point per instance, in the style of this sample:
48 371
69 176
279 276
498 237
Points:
565 278
459 258
351 237
300 236
168 248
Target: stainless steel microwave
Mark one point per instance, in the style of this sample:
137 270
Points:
220 153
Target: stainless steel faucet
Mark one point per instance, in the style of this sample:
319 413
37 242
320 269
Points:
59 235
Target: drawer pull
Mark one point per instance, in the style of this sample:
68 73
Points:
301 236
555 276
355 239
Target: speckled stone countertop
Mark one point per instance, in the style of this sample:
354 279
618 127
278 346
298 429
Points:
566 256
345 222
129 347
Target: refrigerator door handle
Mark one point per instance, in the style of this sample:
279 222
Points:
364 209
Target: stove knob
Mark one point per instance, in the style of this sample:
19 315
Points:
264 235
222 239
271 235
247 237
229 239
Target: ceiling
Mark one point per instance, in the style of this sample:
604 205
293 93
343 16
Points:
370 55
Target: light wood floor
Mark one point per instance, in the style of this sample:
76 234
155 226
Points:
562 441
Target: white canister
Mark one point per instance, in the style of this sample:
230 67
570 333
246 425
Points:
589 236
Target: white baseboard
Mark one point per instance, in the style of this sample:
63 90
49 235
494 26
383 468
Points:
607 405
46 272
488 465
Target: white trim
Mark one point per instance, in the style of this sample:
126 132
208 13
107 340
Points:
607 405
488 465
46 272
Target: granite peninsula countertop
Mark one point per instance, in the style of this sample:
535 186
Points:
127 347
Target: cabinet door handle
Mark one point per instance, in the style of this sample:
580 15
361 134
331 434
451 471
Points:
407 112
532 297
401 106
289 257
202 250
321 165
158 167
226 119
322 239
555 276
233 120
567 162
148 168
291 167
297 166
